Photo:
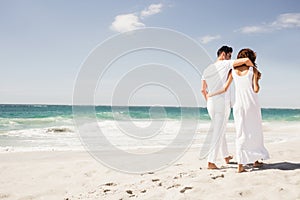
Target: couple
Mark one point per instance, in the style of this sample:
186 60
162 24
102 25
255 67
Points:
216 80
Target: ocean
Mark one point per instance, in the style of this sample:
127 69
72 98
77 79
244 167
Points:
51 127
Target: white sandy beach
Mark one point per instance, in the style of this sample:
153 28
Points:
76 175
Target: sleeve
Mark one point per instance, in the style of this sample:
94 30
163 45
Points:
203 77
230 64
227 65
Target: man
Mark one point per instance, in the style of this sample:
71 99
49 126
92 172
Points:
218 107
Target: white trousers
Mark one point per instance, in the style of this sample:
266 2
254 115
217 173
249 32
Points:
219 111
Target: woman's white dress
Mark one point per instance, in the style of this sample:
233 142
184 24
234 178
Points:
248 121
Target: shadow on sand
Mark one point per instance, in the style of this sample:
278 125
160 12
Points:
281 166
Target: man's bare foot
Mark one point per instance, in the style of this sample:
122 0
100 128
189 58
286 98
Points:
241 169
228 158
258 164
212 166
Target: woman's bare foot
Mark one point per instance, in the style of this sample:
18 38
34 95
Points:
228 158
258 164
241 169
212 166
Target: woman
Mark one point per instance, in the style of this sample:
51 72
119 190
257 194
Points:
246 112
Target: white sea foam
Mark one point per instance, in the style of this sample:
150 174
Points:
125 137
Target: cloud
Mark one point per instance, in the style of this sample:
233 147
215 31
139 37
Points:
132 21
288 20
208 38
127 22
254 29
152 10
283 21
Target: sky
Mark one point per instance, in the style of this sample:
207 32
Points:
43 45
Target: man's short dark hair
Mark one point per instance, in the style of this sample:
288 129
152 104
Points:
225 49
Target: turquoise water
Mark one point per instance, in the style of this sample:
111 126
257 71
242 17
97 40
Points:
17 117
51 127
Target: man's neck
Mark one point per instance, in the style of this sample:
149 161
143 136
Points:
220 58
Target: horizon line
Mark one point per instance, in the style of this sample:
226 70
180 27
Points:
106 105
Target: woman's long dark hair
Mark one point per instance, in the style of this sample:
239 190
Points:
248 53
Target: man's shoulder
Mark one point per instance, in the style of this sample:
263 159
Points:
218 64
228 64
224 62
210 67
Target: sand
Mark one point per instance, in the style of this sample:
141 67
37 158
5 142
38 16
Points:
76 175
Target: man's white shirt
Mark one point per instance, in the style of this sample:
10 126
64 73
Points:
215 76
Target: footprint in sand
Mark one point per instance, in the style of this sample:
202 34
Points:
178 164
147 173
155 180
130 192
180 175
110 184
172 186
106 190
185 188
218 176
